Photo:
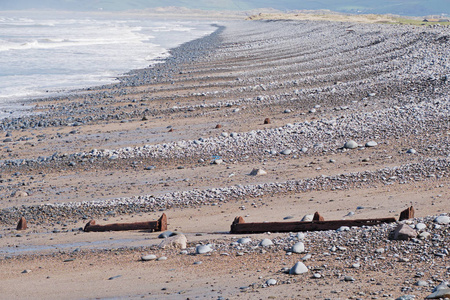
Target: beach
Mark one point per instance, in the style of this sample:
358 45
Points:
350 120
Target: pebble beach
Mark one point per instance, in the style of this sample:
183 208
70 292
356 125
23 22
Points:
269 120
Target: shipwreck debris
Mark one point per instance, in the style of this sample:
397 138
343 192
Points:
317 224
159 225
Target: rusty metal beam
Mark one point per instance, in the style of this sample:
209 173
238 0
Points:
159 225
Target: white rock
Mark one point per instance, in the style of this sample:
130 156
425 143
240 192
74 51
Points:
202 249
300 236
286 151
244 241
298 247
343 228
298 268
371 144
306 257
421 226
217 161
266 243
307 218
411 151
148 257
162 258
257 172
271 282
351 145
442 220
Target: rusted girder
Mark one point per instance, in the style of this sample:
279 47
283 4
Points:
159 225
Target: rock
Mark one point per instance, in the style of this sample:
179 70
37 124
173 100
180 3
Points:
148 257
257 172
421 283
286 151
356 266
162 258
178 241
306 257
271 282
300 235
7 140
420 226
379 250
411 151
287 111
244 241
317 276
266 121
406 297
202 249
217 161
343 228
439 294
26 271
424 235
351 145
165 234
442 220
266 243
371 144
298 268
22 224
224 134
298 247
20 194
307 218
403 232
304 149
442 286
349 278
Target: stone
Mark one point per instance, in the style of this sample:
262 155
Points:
317 276
217 161
298 268
442 220
165 234
286 151
202 249
371 144
306 257
178 241
343 228
162 258
266 121
22 224
420 226
421 283
403 232
266 243
307 218
271 282
439 294
356 266
379 250
300 235
244 241
351 145
20 194
148 257
424 235
258 172
406 297
26 271
298 247
349 278
411 151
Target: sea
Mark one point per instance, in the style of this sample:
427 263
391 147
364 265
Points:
51 53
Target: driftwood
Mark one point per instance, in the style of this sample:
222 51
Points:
318 224
159 225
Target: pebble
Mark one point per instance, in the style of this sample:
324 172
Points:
202 249
349 278
420 226
162 258
411 151
298 247
298 268
244 241
442 220
371 144
286 151
343 228
271 282
148 257
351 145
306 257
266 243
165 234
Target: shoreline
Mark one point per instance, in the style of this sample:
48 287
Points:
286 97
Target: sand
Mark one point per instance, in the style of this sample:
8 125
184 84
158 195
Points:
376 82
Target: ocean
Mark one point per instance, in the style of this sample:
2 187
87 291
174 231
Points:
46 54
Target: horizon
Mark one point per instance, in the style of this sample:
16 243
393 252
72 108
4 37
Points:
416 8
